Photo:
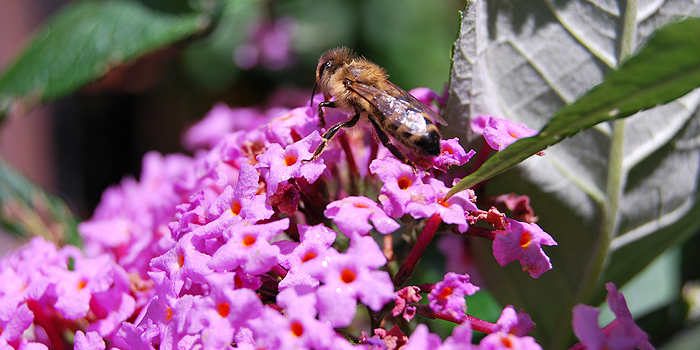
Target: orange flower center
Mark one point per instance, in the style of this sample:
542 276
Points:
507 342
445 293
347 276
223 309
168 313
290 160
297 329
180 259
248 240
81 284
404 183
308 256
235 208
525 239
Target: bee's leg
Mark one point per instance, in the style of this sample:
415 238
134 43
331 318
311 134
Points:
330 104
328 135
387 143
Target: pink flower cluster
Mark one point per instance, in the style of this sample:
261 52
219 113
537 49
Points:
248 245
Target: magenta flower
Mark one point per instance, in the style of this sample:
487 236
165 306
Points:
461 338
451 153
13 322
522 241
291 126
200 254
498 132
622 333
183 264
217 316
510 332
404 191
268 44
130 223
352 214
41 283
508 341
163 321
302 329
403 297
280 165
519 323
248 246
455 209
231 206
220 121
447 296
349 277
314 241
89 341
422 339
77 290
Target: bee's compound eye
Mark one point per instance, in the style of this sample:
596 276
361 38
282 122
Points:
323 67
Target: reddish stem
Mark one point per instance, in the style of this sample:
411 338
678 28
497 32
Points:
279 270
352 166
477 324
424 238
481 325
44 320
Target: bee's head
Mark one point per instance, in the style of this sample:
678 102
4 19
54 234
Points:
332 60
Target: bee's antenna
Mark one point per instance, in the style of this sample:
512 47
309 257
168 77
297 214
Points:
313 92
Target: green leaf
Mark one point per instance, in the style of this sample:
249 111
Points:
667 68
614 196
84 41
26 210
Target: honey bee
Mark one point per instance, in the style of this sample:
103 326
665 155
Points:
362 86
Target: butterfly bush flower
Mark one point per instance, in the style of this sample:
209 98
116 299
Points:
452 154
268 44
622 333
279 165
219 123
410 294
313 240
522 241
42 282
348 277
510 332
352 214
448 295
248 244
131 221
422 339
404 191
498 132
89 341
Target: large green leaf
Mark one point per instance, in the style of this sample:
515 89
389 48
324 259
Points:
26 210
614 196
84 41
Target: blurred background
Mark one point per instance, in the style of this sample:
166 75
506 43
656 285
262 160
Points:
261 53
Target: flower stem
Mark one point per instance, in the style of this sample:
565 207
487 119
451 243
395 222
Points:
477 324
425 237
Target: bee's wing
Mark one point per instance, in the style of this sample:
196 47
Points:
395 103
